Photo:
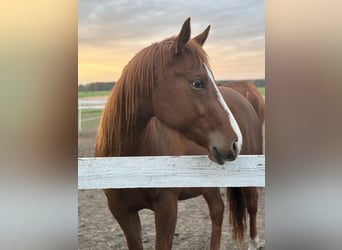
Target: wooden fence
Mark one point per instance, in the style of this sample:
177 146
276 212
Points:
170 171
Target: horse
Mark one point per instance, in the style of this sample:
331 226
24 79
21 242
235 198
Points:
253 95
166 102
249 194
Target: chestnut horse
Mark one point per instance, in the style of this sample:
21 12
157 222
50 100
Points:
250 194
252 94
167 103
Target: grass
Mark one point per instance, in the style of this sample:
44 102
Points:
83 94
262 90
90 118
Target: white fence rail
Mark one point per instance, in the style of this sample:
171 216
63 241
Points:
170 171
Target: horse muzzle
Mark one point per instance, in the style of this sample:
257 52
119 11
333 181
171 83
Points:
220 156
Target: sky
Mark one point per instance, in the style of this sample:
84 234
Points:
111 32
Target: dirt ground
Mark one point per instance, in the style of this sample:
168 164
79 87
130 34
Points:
97 229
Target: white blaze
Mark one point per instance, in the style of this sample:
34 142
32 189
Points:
231 117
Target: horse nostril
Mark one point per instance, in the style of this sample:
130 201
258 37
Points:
234 147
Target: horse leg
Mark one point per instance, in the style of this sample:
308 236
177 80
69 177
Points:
165 211
251 200
128 220
216 209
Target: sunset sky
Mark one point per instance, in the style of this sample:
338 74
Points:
111 32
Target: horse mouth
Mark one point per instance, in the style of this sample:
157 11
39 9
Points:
220 159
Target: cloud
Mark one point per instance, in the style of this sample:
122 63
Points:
235 25
123 19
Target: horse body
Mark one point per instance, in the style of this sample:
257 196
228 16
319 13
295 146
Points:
252 94
158 139
179 112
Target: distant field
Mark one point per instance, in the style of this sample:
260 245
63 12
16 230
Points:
90 118
83 94
262 90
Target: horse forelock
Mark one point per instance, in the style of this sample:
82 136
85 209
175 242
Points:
138 79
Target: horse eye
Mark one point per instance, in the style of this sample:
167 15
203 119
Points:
198 84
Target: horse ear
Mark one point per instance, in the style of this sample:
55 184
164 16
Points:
200 39
182 38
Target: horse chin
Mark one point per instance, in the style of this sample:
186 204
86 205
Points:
217 157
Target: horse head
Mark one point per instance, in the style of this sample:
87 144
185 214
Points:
186 98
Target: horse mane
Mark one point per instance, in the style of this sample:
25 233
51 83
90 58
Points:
137 82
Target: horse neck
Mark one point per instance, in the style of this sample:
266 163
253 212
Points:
158 139
129 107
